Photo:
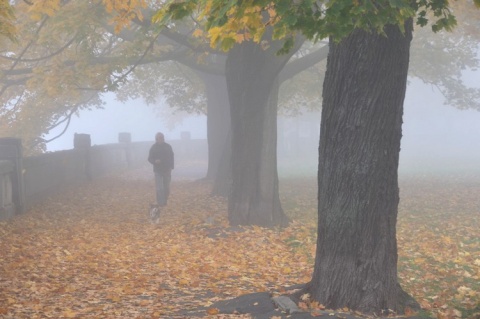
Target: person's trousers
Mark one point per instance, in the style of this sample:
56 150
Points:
162 185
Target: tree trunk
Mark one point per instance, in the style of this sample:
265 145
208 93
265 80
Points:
218 123
251 80
364 90
223 178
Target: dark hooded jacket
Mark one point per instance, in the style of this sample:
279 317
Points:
164 153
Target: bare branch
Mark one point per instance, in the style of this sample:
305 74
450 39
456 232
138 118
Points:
44 57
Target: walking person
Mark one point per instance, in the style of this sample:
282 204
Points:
162 158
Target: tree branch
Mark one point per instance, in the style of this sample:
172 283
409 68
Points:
44 57
301 64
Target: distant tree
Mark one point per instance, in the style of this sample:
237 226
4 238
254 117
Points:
252 81
441 59
41 83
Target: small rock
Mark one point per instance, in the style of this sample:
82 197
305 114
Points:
286 304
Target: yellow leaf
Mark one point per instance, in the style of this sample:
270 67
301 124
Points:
144 303
197 33
302 305
286 270
214 34
258 34
425 304
239 38
457 313
447 239
305 297
317 305
69 313
272 12
409 312
213 311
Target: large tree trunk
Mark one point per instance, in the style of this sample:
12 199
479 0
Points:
218 123
251 80
364 90
223 178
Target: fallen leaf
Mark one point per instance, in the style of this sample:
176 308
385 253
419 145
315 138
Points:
213 311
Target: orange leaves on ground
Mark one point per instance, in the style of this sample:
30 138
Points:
439 239
69 314
91 251
213 311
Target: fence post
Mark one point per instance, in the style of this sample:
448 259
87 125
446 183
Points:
83 143
125 139
11 150
7 206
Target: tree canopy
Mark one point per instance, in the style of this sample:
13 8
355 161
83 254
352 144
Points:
236 21
68 54
7 20
233 22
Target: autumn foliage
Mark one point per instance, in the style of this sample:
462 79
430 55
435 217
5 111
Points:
90 251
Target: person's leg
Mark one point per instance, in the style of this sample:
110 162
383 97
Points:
160 189
167 178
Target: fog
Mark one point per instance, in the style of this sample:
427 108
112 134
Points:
436 138
134 117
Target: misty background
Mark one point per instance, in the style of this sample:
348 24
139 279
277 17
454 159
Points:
437 138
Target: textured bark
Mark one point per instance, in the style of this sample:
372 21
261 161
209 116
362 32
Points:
364 90
251 80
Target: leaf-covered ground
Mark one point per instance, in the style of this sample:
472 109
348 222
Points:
91 252
439 244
